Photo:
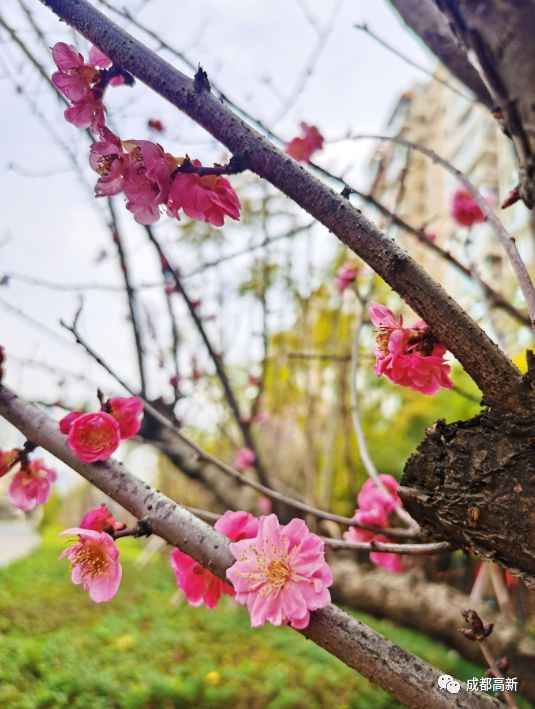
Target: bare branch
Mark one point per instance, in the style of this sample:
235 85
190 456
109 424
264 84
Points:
364 28
424 18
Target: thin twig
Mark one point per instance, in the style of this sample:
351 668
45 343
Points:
432 74
130 294
410 549
169 270
507 241
200 455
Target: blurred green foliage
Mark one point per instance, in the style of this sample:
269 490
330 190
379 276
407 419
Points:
58 649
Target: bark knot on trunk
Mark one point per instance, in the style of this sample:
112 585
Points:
473 483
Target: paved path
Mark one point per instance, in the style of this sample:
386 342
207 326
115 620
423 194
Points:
17 539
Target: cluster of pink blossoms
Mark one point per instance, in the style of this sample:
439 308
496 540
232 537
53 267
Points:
374 508
84 84
149 177
302 147
464 208
346 277
199 585
244 458
31 484
280 572
96 435
409 356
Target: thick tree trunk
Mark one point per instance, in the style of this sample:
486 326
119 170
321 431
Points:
432 27
433 609
473 483
495 37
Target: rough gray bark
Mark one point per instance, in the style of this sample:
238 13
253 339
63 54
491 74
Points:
473 483
497 36
496 376
427 21
409 679
434 609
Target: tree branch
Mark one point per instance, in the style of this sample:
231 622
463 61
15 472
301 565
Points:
424 18
496 376
405 676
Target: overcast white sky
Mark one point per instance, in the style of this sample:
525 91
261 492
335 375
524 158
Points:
256 52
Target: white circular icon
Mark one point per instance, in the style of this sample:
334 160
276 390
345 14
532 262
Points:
449 684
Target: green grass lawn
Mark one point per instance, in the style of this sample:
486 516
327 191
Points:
58 649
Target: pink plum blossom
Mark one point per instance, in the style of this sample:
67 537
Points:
68 420
156 125
78 82
464 208
100 519
94 436
411 356
429 235
372 497
244 458
83 84
127 411
74 76
98 59
237 525
374 508
389 561
199 585
7 460
346 276
265 505
67 57
31 485
281 574
146 179
302 147
94 563
207 198
86 113
108 158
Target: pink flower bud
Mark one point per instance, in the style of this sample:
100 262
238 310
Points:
127 411
302 148
244 458
100 519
